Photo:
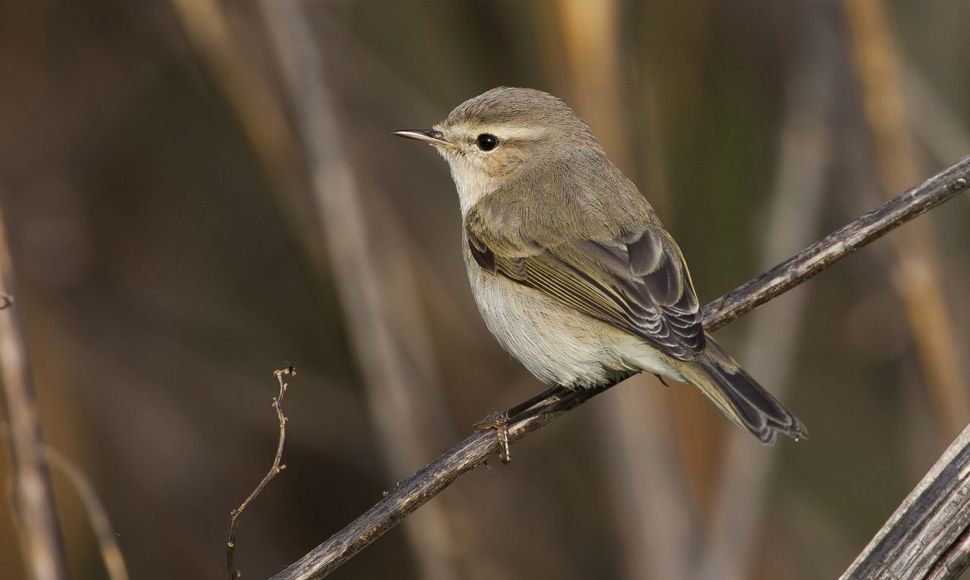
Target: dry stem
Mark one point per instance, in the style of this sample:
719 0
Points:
927 536
33 496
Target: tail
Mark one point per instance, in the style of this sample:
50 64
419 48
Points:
739 396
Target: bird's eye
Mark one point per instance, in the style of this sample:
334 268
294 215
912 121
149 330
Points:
487 141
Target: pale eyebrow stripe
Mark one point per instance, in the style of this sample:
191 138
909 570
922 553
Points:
509 132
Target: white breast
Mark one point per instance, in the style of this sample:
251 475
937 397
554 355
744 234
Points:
556 344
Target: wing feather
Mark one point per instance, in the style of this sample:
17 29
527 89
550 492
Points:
637 283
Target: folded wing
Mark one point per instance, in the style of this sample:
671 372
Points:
638 283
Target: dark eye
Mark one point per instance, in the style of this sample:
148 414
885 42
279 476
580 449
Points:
487 141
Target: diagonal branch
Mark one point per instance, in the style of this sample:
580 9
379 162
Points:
431 479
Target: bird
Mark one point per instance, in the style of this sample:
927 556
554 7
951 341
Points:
570 266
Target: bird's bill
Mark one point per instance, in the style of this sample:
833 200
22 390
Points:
429 136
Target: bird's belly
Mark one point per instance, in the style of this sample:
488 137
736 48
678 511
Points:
555 343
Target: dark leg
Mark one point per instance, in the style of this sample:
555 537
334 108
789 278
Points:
499 420
533 400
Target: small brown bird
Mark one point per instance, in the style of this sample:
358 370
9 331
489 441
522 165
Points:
571 268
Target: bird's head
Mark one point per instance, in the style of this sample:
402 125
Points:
504 133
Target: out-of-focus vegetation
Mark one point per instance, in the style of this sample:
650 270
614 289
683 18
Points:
161 204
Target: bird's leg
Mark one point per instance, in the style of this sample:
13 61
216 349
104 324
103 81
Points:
532 401
499 420
662 381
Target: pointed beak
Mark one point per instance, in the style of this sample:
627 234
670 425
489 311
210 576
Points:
430 136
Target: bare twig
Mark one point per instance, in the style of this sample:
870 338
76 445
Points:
275 469
929 534
33 496
917 271
792 221
431 479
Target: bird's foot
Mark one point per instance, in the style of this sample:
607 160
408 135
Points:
498 422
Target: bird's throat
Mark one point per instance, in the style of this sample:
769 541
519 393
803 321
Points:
472 184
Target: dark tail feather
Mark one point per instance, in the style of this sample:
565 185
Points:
739 396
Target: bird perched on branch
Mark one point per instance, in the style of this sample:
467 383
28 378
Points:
571 268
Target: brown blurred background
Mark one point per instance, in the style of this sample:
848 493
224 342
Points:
197 191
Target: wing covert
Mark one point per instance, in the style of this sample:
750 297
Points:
638 283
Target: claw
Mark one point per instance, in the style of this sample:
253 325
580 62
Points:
498 422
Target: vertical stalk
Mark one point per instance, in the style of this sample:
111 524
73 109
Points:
791 222
917 273
656 528
33 495
402 392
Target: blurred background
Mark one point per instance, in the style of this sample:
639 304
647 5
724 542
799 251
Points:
196 191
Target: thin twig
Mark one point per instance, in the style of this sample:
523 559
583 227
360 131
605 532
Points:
928 536
275 469
33 495
835 246
434 477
